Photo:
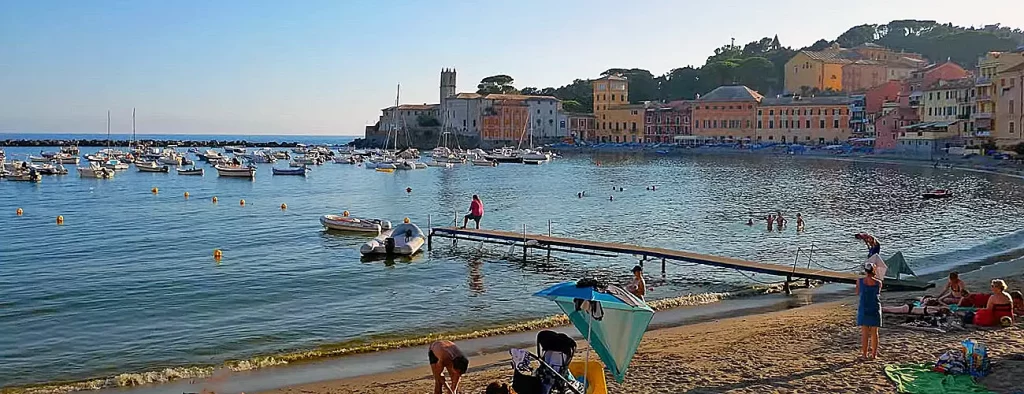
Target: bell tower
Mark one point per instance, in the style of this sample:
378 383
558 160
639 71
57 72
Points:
447 84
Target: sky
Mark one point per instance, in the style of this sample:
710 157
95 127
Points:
327 67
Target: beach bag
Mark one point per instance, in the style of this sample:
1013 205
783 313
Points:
951 362
968 318
976 358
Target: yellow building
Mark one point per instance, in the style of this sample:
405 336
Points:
820 70
988 95
616 119
944 100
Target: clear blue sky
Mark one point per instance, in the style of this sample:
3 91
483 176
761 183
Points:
328 67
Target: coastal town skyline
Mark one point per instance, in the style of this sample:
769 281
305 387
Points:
215 69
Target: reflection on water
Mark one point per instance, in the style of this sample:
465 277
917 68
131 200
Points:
129 283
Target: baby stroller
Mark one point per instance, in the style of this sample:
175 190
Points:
554 353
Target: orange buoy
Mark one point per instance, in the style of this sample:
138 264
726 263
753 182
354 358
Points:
284 206
60 220
217 254
155 190
406 220
214 199
186 194
19 211
241 202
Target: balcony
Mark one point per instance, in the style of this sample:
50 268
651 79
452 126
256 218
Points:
983 81
982 115
984 97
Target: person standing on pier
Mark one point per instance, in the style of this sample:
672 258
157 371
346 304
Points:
444 355
476 212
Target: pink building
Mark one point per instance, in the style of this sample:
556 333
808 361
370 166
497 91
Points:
889 124
875 97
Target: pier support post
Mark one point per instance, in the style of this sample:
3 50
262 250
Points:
524 242
430 241
786 287
663 267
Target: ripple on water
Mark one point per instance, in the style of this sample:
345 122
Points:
128 284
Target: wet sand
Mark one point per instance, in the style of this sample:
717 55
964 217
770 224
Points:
808 349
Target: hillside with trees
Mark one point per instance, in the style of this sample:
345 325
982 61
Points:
759 64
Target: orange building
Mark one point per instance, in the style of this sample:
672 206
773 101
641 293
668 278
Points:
727 113
804 120
505 120
861 75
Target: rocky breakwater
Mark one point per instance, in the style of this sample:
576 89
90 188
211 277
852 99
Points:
156 143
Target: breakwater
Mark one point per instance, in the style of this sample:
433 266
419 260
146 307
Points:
146 142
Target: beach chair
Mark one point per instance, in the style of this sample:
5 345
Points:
554 353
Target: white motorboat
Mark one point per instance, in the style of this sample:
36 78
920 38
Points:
30 175
484 163
236 171
94 170
234 149
534 155
387 166
404 240
39 159
344 222
190 171
115 165
170 159
151 167
420 166
64 158
442 164
49 169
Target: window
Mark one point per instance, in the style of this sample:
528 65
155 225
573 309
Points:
771 112
759 113
748 123
551 112
474 123
771 124
1011 125
808 124
1011 105
821 124
613 97
796 124
759 124
634 126
929 111
835 112
714 124
835 124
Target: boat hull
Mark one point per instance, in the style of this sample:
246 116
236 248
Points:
236 172
295 172
97 173
358 225
153 168
404 240
196 171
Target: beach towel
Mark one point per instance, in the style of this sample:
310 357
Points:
880 266
920 379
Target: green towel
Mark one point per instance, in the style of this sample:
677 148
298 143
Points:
920 379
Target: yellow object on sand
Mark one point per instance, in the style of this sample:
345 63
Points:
595 375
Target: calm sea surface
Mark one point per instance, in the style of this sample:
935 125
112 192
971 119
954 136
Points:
128 283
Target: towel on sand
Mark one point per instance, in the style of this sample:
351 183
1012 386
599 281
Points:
920 379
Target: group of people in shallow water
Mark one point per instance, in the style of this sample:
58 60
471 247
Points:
779 221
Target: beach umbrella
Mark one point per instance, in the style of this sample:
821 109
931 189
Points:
611 319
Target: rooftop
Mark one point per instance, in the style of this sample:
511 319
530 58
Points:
611 78
473 96
731 93
945 84
414 107
798 100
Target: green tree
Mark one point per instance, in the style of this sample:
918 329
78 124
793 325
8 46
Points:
642 86
501 84
756 73
574 106
819 45
858 35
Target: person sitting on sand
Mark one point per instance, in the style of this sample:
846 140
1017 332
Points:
954 290
444 355
637 285
497 388
910 309
999 305
476 212
1018 302
869 312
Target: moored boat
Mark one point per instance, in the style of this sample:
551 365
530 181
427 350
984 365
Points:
236 171
94 170
30 175
533 161
190 171
937 193
344 222
404 240
114 164
151 167
484 163
300 171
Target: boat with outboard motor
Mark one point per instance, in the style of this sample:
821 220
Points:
299 171
149 166
190 171
95 170
236 170
404 240
344 222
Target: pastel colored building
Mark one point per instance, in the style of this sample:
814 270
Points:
727 113
861 75
664 122
820 70
804 120
616 120
989 91
890 123
928 76
876 97
1010 108
505 120
582 126
844 69
466 112
928 139
943 100
405 116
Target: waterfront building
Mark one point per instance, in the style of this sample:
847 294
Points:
804 120
890 122
1010 110
406 116
948 100
582 126
860 123
928 76
876 97
616 119
504 119
843 69
727 113
468 113
664 122
928 139
991 86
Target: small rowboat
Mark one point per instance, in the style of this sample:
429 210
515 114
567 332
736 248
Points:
533 162
26 176
937 193
404 240
388 170
151 167
485 163
236 171
348 223
191 171
301 171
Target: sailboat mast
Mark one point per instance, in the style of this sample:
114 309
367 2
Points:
108 129
133 128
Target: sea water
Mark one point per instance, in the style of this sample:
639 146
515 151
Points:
128 282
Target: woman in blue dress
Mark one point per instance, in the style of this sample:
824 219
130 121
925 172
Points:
869 312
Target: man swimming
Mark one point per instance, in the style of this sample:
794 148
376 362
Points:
444 355
799 222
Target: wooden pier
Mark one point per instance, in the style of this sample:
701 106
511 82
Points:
570 245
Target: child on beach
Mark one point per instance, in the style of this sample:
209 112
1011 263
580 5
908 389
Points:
869 312
444 355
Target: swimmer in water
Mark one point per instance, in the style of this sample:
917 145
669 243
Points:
771 221
611 198
781 221
579 195
750 222
799 222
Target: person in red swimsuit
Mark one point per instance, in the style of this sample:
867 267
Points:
999 305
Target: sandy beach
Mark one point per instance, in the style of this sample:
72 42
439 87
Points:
803 350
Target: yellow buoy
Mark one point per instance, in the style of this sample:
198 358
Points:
241 202
155 190
345 214
214 199
284 206
60 219
186 194
217 254
406 220
19 211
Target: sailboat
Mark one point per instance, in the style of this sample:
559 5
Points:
112 157
531 155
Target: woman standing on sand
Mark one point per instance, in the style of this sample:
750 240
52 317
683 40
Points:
869 312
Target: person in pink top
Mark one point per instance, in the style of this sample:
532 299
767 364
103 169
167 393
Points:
476 211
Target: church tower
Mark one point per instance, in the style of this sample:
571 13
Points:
447 83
